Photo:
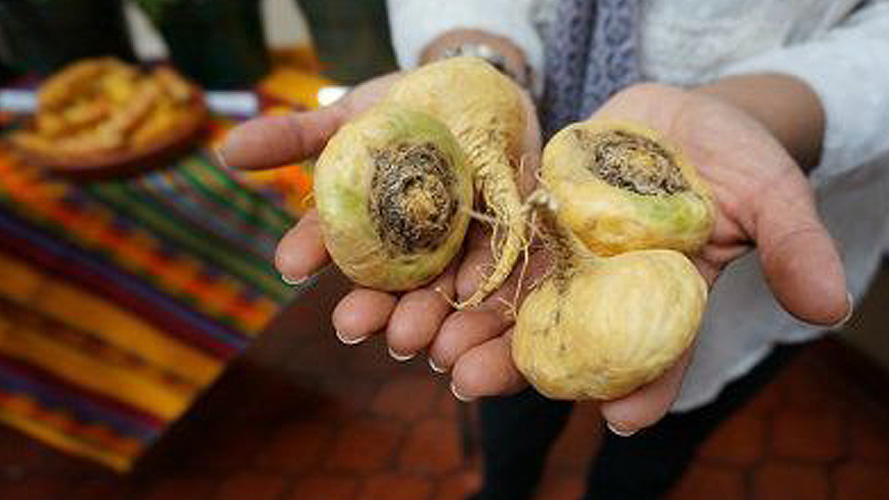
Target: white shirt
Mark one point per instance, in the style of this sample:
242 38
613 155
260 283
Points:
839 47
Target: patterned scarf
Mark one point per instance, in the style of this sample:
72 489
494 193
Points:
591 53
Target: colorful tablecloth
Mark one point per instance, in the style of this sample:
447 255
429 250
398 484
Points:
121 301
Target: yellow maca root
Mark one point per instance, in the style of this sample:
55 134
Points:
393 194
620 210
622 187
600 328
484 111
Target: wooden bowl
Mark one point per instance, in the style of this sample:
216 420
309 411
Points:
163 148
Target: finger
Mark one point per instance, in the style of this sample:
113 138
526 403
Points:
647 405
709 271
463 331
529 161
477 264
798 256
470 328
419 315
368 94
301 251
467 329
712 258
362 313
487 370
277 140
272 141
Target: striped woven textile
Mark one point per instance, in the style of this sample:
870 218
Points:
121 301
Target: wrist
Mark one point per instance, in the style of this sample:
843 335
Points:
786 106
499 51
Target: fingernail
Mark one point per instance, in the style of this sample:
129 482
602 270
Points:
841 323
620 432
458 395
293 282
349 341
434 367
219 158
401 357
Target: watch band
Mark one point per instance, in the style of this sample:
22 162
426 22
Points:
521 76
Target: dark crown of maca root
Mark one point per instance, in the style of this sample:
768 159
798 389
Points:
632 162
413 198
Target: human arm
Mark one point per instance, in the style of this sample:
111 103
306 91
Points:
820 107
769 210
786 106
423 29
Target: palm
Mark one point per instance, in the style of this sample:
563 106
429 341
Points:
413 321
762 199
763 202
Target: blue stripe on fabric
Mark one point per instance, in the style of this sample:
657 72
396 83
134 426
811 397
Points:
216 331
13 381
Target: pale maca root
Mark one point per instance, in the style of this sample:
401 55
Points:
622 188
484 111
622 303
601 327
393 195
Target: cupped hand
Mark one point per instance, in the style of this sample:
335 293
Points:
413 320
763 202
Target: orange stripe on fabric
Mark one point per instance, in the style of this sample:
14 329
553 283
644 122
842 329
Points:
19 281
118 327
84 342
121 383
73 306
117 452
138 253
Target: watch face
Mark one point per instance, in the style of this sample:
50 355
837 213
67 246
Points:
485 52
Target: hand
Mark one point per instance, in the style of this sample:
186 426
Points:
411 321
763 202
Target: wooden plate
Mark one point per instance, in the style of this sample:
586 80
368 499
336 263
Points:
163 148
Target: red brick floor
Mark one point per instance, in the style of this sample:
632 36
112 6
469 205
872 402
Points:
302 417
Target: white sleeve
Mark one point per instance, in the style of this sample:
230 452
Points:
415 23
848 68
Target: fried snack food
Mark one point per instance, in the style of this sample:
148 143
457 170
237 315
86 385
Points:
101 115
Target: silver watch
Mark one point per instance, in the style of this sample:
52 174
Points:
496 59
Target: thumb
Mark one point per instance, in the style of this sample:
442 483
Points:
648 404
273 141
798 256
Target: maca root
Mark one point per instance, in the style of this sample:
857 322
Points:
413 201
393 191
629 189
496 179
621 303
632 162
487 116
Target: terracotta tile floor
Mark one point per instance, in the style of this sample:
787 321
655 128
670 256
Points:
301 417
